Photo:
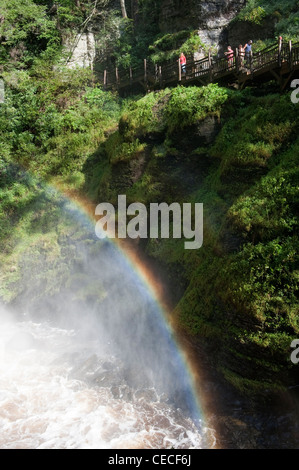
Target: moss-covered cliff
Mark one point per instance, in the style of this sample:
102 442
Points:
237 154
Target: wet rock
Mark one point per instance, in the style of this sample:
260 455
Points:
149 395
122 393
236 433
87 367
82 50
106 379
200 135
242 31
210 18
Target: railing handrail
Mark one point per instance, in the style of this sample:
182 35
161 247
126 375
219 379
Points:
170 71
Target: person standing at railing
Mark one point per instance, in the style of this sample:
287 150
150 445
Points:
241 55
183 62
248 51
230 56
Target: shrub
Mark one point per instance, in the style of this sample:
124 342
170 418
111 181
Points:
187 106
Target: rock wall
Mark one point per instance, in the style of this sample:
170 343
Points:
82 50
210 18
241 31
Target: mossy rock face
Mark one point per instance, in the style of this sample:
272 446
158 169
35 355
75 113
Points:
233 295
199 135
236 295
125 174
240 32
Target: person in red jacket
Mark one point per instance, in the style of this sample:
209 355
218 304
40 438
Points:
230 56
183 62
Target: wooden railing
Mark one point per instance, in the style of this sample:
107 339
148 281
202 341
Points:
205 70
294 60
264 58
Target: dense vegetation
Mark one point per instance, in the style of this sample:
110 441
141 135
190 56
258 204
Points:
285 14
240 288
234 151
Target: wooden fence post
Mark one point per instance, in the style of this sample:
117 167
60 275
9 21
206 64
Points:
251 61
291 55
160 76
279 51
131 76
105 79
145 72
180 71
210 66
237 60
116 76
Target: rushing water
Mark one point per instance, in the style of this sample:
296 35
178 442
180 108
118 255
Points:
94 365
58 393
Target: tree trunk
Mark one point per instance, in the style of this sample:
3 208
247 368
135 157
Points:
123 9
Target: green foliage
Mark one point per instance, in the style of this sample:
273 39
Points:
262 281
117 41
252 12
37 237
268 208
125 41
171 110
69 15
52 121
285 14
117 150
260 130
25 31
169 46
187 106
144 116
147 28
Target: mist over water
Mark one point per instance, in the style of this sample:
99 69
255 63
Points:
93 365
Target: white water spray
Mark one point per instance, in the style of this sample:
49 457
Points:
94 366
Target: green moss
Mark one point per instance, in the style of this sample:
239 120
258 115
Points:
241 286
253 137
144 116
249 387
188 106
118 150
169 46
239 290
253 12
283 14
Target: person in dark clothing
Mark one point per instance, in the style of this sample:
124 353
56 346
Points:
248 50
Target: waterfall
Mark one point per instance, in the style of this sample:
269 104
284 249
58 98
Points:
93 365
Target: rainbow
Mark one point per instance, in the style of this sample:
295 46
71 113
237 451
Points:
137 265
83 210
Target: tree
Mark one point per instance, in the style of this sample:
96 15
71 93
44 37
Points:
123 8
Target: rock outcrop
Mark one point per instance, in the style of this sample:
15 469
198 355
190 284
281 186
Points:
82 50
210 18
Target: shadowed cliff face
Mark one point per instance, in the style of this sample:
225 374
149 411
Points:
209 17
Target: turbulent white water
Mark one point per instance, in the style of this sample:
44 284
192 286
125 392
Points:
92 362
57 392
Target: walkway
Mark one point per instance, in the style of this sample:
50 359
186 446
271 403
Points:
279 62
